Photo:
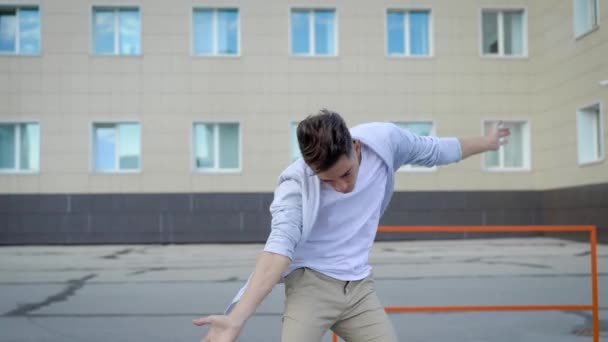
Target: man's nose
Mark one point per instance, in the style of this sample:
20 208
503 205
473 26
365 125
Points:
341 186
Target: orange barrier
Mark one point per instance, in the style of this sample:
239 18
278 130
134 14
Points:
594 307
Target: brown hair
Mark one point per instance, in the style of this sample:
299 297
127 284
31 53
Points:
323 139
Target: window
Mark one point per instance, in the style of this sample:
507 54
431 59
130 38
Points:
313 32
19 147
408 33
117 147
503 33
216 32
116 31
19 30
294 146
217 147
423 128
515 155
585 16
589 129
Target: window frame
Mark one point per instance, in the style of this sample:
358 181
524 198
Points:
593 28
214 34
527 149
115 9
311 31
17 170
216 169
602 153
500 10
418 168
93 169
407 53
18 7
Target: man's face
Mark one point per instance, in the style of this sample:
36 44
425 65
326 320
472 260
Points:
342 176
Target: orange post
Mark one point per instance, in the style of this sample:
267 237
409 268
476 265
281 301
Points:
594 307
594 288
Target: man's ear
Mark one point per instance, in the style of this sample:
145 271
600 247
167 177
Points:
357 146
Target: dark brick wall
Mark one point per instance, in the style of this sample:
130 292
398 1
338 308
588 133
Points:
244 217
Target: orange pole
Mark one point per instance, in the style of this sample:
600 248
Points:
480 229
402 309
594 286
483 229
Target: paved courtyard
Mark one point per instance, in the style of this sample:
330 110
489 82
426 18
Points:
151 293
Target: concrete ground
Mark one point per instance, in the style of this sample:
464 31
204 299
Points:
151 293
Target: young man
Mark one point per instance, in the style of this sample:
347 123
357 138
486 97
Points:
325 213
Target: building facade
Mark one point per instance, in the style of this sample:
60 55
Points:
169 121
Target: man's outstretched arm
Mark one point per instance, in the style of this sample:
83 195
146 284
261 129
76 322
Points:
226 328
490 142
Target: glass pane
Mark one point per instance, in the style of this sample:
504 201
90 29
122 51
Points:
514 150
7 146
585 15
129 32
490 32
514 33
203 32
229 146
228 30
419 33
105 147
300 32
294 147
204 146
103 31
325 43
29 34
30 147
395 33
129 146
8 30
420 128
589 142
491 158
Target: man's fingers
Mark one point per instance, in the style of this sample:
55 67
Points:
203 320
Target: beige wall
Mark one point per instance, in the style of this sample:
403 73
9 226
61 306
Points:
66 89
566 73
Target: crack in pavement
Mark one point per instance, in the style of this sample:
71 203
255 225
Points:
146 270
115 255
73 286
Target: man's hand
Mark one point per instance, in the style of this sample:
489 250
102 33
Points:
497 136
221 328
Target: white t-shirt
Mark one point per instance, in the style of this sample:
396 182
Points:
343 234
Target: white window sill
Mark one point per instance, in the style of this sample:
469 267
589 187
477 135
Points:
591 162
507 170
15 54
213 56
397 56
313 56
506 57
115 172
100 55
19 172
586 33
218 171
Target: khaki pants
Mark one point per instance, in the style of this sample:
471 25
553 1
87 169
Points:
315 303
